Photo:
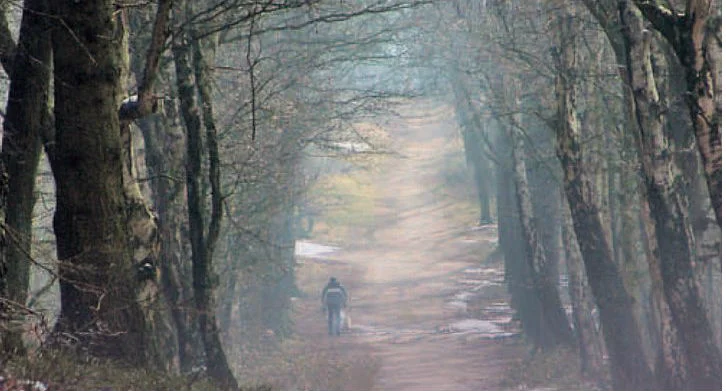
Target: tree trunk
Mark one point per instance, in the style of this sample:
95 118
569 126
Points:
98 285
705 226
5 307
164 142
216 358
584 312
696 38
509 231
482 172
546 312
474 147
202 248
27 116
164 154
629 367
669 210
670 364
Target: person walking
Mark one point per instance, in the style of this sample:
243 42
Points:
334 299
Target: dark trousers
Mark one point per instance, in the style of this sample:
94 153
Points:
333 319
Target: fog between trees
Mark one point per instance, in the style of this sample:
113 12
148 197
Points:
159 158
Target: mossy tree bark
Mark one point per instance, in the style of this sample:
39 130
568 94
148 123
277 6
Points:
98 285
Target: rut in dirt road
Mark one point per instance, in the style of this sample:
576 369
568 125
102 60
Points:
436 317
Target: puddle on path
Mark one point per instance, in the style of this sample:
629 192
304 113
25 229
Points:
313 250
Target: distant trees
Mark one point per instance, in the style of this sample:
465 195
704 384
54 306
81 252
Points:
572 115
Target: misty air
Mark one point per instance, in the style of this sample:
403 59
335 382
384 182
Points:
360 195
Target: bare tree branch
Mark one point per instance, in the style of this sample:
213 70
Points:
145 103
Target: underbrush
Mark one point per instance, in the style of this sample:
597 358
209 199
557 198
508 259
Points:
57 371
293 364
299 364
556 370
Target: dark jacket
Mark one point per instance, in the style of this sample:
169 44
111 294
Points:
334 294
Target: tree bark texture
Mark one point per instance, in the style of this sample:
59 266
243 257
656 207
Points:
670 365
585 315
669 209
98 285
628 363
26 117
5 306
696 38
165 153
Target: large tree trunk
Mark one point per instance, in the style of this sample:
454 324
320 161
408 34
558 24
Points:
629 367
696 38
705 226
669 209
27 116
98 285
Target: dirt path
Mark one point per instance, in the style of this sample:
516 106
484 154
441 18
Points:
434 316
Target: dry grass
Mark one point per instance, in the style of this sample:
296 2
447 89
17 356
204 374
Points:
308 364
62 372
295 364
556 370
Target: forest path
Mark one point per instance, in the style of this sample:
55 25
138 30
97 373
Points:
435 317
